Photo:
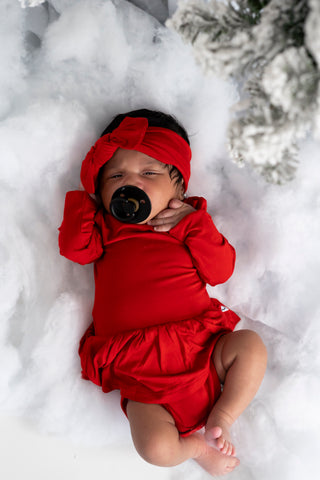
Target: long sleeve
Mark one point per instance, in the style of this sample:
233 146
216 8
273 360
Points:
211 253
80 238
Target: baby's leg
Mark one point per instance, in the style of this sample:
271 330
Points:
157 440
240 359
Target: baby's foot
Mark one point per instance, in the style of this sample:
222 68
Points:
220 438
215 462
218 432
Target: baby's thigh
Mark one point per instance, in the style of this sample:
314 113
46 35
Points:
145 416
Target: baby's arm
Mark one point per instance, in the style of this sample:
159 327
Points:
80 238
211 253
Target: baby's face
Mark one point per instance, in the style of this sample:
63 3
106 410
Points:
129 167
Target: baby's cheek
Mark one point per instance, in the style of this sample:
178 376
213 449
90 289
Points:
106 203
156 208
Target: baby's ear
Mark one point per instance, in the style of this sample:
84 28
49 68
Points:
180 190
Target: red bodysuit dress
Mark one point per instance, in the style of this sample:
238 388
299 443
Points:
154 325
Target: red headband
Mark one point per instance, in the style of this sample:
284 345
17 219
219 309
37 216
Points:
134 134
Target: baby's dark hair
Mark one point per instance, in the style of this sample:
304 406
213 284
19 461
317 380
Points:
155 119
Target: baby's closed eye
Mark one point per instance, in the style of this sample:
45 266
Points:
116 175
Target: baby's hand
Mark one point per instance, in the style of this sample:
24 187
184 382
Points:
170 217
94 197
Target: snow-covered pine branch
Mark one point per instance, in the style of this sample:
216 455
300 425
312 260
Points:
271 49
31 3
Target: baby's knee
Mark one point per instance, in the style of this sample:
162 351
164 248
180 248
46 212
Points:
254 346
156 450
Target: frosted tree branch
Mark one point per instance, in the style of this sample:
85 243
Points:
271 49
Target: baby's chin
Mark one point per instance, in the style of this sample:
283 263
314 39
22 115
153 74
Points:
153 214
144 222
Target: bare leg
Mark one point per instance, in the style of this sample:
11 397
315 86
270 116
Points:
240 360
157 440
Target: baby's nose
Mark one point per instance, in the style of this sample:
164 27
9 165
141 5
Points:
135 180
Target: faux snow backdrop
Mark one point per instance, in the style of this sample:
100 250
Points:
66 69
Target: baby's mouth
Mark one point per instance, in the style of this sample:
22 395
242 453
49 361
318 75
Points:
130 204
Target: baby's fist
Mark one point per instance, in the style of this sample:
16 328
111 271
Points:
170 217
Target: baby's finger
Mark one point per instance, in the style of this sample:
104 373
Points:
156 221
165 227
165 214
168 212
175 203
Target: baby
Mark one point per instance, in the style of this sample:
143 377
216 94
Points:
156 334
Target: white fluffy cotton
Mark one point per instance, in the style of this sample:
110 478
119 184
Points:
93 60
12 54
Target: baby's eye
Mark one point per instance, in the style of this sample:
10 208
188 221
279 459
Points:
116 175
150 173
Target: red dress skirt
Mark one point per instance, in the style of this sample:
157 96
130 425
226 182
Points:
169 364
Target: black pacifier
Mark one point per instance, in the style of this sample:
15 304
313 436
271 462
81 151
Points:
130 204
